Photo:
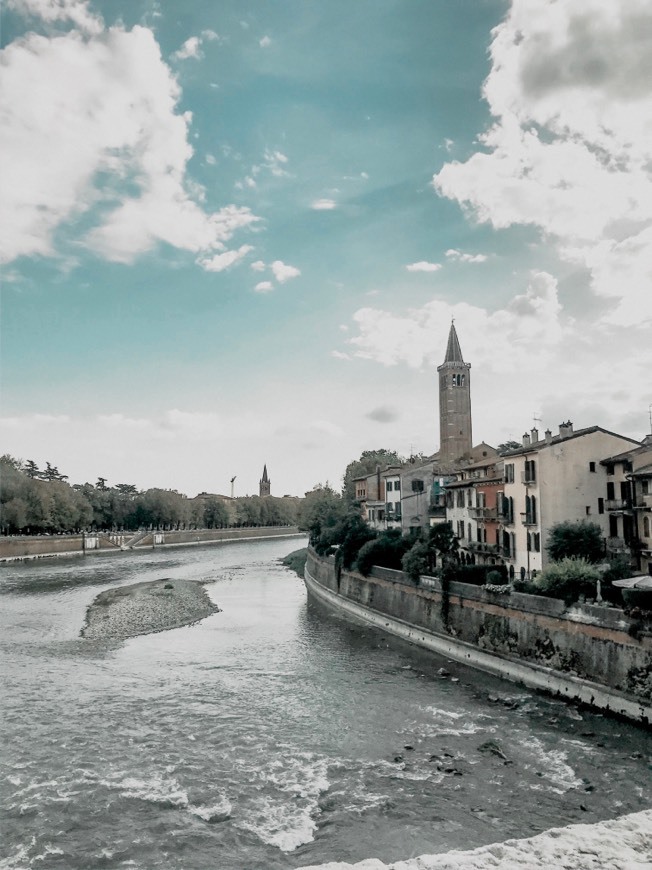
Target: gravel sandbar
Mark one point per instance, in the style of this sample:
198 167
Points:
143 608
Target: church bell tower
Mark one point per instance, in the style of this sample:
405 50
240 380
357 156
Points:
265 484
454 403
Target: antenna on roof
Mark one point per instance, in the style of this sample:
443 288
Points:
536 419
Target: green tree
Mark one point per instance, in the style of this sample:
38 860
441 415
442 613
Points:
506 446
576 540
367 464
442 542
32 469
321 514
386 551
416 561
568 579
52 473
216 516
351 534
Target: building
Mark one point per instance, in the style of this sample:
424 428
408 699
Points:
265 484
472 496
455 436
422 496
555 479
628 502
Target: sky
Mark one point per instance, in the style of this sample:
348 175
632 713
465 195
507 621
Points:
235 232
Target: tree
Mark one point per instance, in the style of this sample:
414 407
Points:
386 551
351 534
31 469
367 464
506 446
52 473
320 514
568 579
442 541
415 562
576 540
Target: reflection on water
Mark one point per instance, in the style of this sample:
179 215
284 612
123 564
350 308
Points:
272 734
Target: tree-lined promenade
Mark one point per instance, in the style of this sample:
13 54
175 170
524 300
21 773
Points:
34 501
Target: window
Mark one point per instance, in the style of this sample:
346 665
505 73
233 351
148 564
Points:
611 491
646 527
533 509
509 473
469 498
397 486
645 487
478 535
460 498
610 468
530 469
587 510
417 486
468 531
591 466
388 486
600 505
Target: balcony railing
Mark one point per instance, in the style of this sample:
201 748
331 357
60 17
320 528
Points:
643 503
437 510
618 504
528 478
483 513
483 547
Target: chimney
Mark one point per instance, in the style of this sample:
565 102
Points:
526 440
565 429
548 434
534 435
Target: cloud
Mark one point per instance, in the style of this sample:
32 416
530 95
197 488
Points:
190 48
338 354
220 262
283 272
264 287
423 266
89 124
570 149
75 12
525 355
265 42
383 414
454 254
323 204
258 266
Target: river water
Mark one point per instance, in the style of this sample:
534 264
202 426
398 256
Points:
272 734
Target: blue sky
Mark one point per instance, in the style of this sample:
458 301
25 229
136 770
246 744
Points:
235 233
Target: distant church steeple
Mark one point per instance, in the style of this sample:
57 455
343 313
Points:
265 484
454 402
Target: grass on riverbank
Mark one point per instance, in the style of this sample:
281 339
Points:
296 561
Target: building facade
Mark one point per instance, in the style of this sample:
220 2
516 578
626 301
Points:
551 480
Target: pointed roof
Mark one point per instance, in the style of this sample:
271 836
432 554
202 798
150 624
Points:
453 350
264 478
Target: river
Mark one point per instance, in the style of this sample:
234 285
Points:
272 734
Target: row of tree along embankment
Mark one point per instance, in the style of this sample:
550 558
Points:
588 653
41 546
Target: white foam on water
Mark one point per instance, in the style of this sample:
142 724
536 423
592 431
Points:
217 812
554 766
156 790
284 816
619 844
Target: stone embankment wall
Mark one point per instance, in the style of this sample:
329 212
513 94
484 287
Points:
586 652
34 547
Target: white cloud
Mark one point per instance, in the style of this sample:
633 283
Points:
75 12
211 160
220 262
190 48
265 42
454 254
283 272
323 204
258 266
423 266
84 122
526 355
264 287
338 354
570 151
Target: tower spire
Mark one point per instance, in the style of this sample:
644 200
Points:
265 484
455 436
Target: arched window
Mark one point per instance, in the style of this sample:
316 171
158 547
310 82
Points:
646 527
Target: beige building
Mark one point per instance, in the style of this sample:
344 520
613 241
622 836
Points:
551 480
628 502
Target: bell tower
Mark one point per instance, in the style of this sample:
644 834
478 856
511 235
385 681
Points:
454 403
265 484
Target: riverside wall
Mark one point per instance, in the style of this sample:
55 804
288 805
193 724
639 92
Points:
587 653
22 547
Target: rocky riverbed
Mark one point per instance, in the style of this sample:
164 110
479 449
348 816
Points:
143 608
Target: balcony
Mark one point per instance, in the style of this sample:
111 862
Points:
643 503
528 478
618 504
617 545
483 547
483 513
437 510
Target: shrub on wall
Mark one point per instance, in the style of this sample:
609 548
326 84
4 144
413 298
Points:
568 579
415 562
386 551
